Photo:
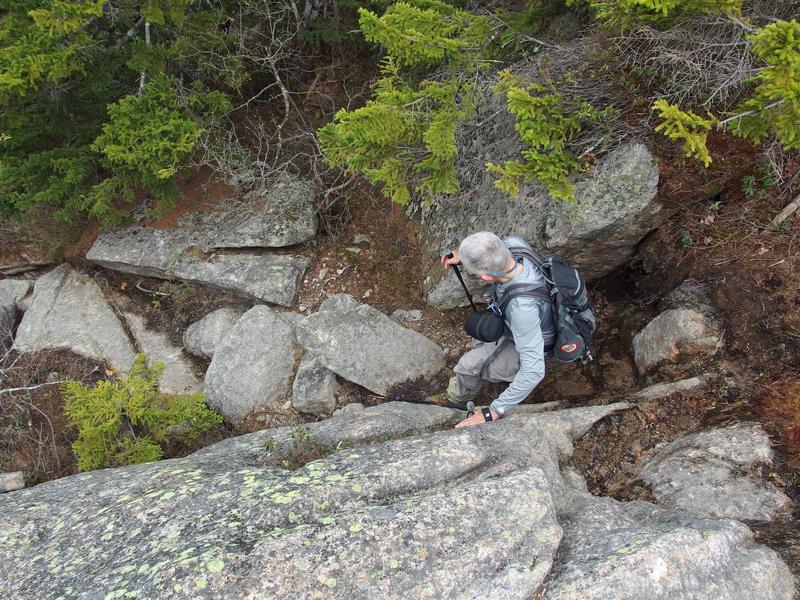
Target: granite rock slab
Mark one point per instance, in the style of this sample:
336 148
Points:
176 254
253 367
69 310
363 345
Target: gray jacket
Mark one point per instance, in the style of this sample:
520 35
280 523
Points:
531 328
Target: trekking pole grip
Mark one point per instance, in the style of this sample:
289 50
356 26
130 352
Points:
463 285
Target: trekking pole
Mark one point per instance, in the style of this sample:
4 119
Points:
463 285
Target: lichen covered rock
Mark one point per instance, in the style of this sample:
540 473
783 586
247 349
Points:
717 473
203 337
484 512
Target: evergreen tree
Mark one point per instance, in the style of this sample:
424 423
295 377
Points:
99 99
773 108
623 14
128 421
545 123
404 137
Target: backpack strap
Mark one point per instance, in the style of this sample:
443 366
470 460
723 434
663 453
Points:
523 289
523 251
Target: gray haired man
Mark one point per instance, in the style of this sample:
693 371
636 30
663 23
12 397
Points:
517 357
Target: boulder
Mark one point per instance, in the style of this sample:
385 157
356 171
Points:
637 551
314 388
663 390
673 336
175 254
253 366
717 473
271 217
12 291
363 345
178 376
11 482
616 205
562 427
689 294
377 520
203 337
69 310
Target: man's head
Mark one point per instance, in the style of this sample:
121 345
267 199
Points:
484 254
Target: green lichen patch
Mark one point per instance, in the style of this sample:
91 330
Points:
215 566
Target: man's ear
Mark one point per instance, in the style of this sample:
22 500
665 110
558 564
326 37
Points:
486 278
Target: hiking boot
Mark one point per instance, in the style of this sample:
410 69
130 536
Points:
444 399
439 399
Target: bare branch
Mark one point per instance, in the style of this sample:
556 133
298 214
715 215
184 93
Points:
29 388
787 212
147 41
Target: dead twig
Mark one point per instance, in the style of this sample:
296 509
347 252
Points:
787 212
141 288
28 388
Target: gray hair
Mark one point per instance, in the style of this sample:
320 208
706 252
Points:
484 252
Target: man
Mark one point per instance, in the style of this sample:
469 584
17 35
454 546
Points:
518 357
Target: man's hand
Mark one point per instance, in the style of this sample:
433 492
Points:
451 259
477 419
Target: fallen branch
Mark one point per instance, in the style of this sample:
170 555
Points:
787 212
141 288
28 388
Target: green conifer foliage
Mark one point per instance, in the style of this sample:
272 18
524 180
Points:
623 14
404 137
426 32
401 135
44 44
127 421
773 109
98 99
545 125
148 137
686 127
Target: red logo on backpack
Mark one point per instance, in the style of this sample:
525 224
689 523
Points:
569 347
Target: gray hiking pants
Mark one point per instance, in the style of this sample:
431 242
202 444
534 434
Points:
487 361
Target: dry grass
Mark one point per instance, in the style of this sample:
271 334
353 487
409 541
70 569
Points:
704 61
35 436
778 405
301 449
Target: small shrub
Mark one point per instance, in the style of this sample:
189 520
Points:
128 421
753 186
301 449
749 185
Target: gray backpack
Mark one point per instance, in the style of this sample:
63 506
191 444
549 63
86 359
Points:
565 289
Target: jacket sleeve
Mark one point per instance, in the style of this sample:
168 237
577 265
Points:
525 326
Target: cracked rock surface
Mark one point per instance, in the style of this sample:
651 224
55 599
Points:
252 367
394 518
363 345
